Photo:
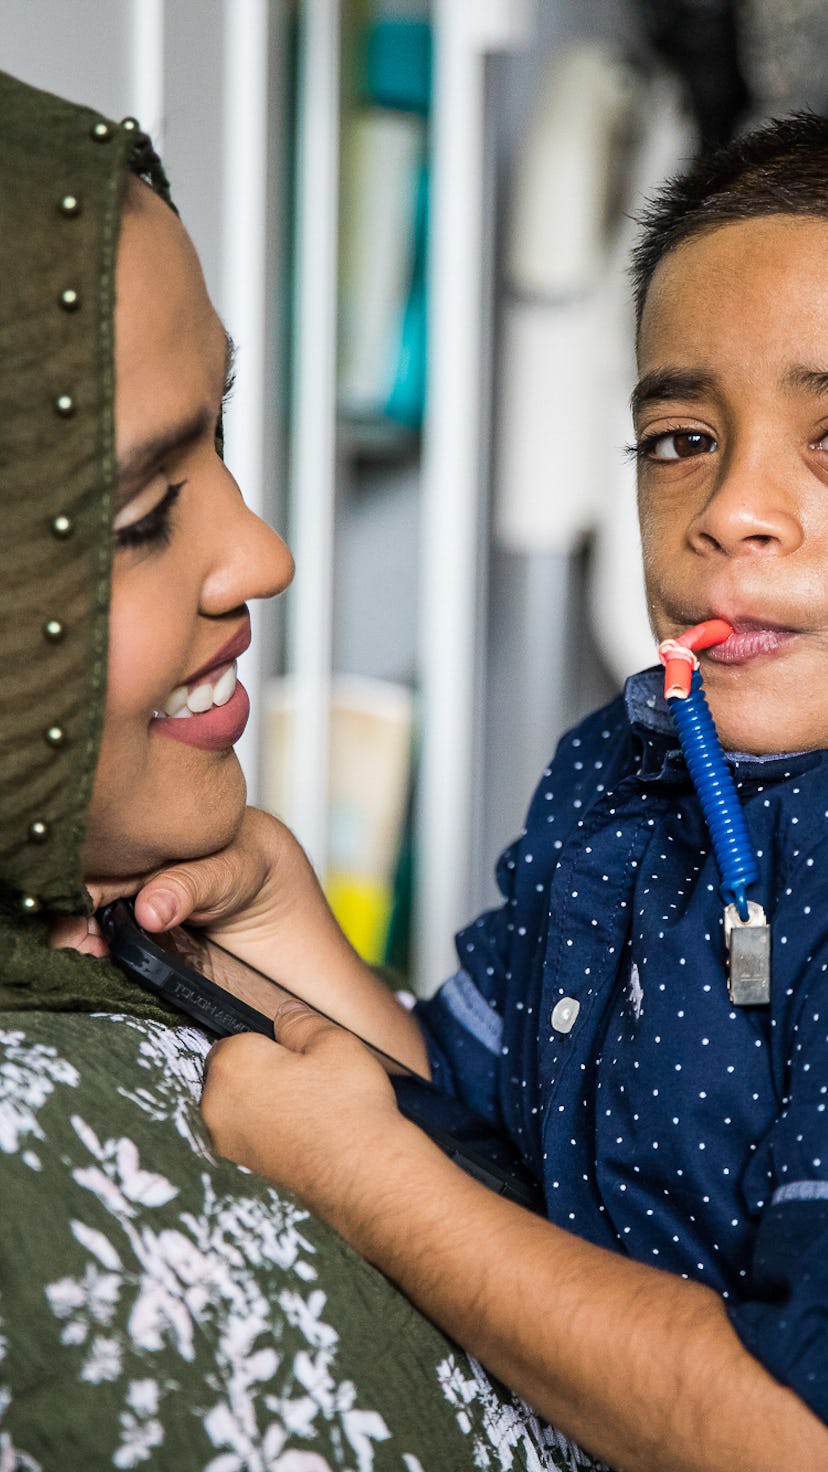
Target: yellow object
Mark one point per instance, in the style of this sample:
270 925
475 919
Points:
362 905
367 786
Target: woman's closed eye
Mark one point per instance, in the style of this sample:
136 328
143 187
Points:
155 527
674 444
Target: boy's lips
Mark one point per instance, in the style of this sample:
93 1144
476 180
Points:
749 642
751 638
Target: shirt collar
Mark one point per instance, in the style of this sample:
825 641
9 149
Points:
660 753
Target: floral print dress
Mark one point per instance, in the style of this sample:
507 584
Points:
161 1308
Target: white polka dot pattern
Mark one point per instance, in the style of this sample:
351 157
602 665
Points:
664 1122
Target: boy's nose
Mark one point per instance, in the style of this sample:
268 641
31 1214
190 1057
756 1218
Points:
748 513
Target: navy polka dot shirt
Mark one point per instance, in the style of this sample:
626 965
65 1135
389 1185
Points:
590 1019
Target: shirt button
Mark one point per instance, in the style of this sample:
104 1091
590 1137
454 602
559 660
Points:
564 1014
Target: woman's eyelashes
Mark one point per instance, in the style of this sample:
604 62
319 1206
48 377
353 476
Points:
673 444
155 527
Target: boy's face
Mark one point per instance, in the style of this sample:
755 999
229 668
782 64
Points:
732 431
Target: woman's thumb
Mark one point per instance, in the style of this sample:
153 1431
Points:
205 889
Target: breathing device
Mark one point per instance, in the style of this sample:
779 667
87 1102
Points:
747 933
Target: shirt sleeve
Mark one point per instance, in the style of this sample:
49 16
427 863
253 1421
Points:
474 1020
782 1317
463 1022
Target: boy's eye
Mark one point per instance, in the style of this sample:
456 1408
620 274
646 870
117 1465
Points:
155 528
675 444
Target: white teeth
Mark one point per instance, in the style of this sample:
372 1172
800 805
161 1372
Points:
223 688
176 701
183 702
200 699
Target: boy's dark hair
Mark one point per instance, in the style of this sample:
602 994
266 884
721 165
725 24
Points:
780 168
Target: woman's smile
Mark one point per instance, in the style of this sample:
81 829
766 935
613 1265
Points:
210 707
217 727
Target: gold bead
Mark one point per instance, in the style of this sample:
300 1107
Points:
54 630
30 904
69 205
55 736
62 527
65 406
69 299
38 831
100 132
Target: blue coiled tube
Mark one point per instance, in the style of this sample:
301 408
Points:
717 794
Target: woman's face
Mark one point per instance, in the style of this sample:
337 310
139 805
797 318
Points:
187 556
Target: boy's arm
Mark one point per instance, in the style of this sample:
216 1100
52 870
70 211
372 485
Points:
641 1367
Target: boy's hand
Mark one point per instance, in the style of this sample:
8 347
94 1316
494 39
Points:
313 1111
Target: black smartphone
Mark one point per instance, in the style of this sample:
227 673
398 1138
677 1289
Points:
225 995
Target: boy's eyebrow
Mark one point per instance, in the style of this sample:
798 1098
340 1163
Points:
670 383
815 380
140 461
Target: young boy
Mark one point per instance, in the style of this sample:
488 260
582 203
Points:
671 1310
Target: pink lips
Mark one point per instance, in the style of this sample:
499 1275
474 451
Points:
225 655
745 644
221 726
214 730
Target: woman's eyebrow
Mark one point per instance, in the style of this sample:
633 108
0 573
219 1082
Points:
670 383
135 466
139 462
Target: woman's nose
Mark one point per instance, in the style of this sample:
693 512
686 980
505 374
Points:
250 560
751 511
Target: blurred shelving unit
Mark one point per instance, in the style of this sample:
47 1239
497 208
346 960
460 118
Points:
446 478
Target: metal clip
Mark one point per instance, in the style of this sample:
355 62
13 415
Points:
749 958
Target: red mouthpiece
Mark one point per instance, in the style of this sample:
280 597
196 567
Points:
679 658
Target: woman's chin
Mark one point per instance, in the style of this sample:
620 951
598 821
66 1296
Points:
123 843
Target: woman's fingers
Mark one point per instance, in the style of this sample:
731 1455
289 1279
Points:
79 933
82 932
205 890
214 888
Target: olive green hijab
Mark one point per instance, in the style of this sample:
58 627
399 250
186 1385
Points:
62 171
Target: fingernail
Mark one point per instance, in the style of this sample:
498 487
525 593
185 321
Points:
162 906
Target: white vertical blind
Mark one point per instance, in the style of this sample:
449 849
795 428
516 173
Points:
313 453
456 429
146 55
244 286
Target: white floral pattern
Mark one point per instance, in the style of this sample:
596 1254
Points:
509 1426
28 1075
174 1270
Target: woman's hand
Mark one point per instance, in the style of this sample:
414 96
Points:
247 893
260 899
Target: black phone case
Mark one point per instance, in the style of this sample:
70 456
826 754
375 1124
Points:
463 1135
